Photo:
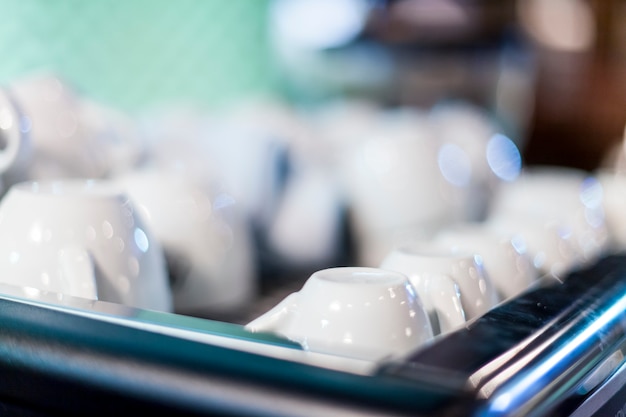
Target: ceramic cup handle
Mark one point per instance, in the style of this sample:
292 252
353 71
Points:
79 272
11 136
275 318
445 299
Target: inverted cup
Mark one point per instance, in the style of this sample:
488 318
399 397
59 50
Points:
549 244
505 257
567 198
52 234
393 182
206 241
428 263
366 313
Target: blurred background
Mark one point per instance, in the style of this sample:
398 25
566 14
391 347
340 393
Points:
553 72
138 53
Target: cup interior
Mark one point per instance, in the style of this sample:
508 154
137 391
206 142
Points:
364 312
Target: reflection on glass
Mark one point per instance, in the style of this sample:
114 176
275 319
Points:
504 157
454 164
141 240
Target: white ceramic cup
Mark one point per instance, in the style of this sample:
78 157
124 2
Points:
80 238
393 183
568 198
614 203
467 141
358 312
249 162
548 243
206 240
66 135
453 286
505 257
306 229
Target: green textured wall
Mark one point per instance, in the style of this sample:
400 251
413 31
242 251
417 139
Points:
135 53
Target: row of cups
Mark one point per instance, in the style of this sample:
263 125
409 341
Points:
116 241
549 221
90 209
206 190
208 187
203 189
97 240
